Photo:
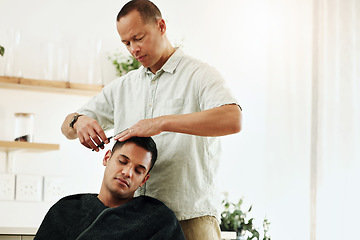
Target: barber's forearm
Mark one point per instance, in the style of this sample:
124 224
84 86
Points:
218 121
68 132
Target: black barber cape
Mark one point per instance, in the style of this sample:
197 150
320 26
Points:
85 217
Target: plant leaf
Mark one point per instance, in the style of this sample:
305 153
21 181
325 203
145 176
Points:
2 50
122 64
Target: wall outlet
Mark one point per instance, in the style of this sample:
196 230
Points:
7 186
28 188
53 188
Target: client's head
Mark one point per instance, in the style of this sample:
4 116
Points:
146 143
127 168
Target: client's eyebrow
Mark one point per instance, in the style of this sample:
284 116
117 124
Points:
126 157
142 166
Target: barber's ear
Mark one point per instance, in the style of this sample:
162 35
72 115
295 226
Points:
107 157
162 26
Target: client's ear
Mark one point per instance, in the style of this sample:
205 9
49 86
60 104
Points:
107 157
145 179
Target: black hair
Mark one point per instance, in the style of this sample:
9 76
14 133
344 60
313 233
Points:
149 12
145 142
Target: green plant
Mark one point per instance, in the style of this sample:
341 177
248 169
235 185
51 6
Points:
233 218
124 64
266 225
2 50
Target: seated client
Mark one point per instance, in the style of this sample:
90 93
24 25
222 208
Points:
115 213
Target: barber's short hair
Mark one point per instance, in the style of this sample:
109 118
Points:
146 143
149 12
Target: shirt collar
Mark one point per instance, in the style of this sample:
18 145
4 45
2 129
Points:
172 63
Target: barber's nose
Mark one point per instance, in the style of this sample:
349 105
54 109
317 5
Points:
134 48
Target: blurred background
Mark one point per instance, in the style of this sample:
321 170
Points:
294 66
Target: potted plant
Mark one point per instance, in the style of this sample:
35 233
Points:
233 218
124 64
2 50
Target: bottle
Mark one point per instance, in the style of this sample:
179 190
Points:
24 127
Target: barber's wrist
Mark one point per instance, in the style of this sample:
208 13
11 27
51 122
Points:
74 120
163 122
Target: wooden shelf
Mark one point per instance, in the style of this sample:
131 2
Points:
49 86
7 146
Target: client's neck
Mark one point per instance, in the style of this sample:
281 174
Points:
112 201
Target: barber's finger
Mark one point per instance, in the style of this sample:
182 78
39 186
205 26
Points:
100 132
120 135
97 142
123 136
89 141
95 138
129 133
83 142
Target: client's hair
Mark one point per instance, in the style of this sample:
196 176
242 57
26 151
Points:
145 142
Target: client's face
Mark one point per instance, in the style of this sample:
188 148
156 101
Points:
126 170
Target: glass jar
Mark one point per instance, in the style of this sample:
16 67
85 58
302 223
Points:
24 127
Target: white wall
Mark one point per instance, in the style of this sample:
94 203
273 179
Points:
81 169
232 35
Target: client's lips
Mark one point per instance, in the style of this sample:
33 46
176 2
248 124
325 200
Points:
122 181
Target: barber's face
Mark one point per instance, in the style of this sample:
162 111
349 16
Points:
145 42
126 170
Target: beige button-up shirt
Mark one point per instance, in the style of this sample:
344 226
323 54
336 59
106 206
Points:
184 176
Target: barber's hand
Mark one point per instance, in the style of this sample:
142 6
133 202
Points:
143 128
90 133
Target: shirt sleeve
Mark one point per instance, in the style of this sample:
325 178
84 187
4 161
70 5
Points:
212 89
101 107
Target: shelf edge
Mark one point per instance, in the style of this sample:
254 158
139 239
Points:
53 86
9 146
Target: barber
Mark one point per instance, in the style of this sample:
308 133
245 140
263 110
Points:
180 101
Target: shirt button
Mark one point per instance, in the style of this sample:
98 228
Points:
150 105
153 81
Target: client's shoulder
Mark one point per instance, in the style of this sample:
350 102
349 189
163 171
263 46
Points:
148 200
78 196
78 199
150 204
